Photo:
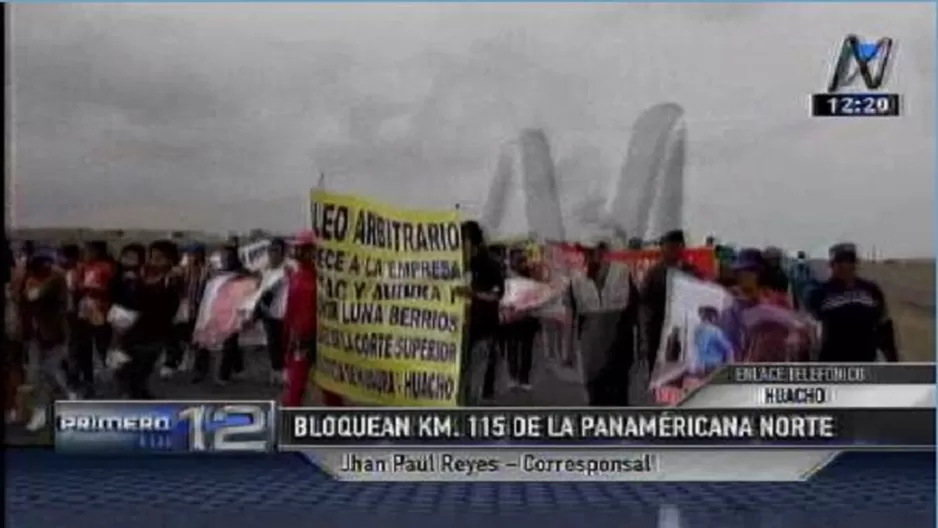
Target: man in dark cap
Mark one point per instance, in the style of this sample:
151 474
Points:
854 318
654 290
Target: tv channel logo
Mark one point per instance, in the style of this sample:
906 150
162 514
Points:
860 60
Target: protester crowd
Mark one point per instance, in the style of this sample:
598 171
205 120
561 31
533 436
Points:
75 313
79 318
619 320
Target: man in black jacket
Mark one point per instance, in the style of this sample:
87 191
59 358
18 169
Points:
854 318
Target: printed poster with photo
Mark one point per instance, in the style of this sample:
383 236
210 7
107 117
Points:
220 315
692 343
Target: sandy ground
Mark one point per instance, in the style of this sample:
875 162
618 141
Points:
910 289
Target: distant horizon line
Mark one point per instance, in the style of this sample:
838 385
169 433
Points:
275 232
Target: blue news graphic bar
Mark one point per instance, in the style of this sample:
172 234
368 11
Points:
165 426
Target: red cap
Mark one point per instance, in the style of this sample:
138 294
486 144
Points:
305 238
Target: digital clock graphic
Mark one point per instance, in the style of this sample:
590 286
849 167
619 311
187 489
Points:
855 105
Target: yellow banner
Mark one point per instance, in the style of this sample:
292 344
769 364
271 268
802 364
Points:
390 324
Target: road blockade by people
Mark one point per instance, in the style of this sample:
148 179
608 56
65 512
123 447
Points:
748 323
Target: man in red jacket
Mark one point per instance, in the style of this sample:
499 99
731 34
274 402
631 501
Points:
299 324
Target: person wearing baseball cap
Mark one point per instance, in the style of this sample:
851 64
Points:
747 269
854 317
760 326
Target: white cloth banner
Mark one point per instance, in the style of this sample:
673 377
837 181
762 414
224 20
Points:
527 297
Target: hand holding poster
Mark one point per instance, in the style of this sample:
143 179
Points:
389 323
692 343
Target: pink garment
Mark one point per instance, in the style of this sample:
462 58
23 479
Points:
774 335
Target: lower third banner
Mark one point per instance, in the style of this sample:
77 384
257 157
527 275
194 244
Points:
910 428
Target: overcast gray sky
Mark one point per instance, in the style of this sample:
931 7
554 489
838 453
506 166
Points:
218 116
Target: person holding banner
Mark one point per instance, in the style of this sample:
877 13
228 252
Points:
271 304
143 314
604 299
194 274
760 327
485 291
521 331
654 290
232 357
299 324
